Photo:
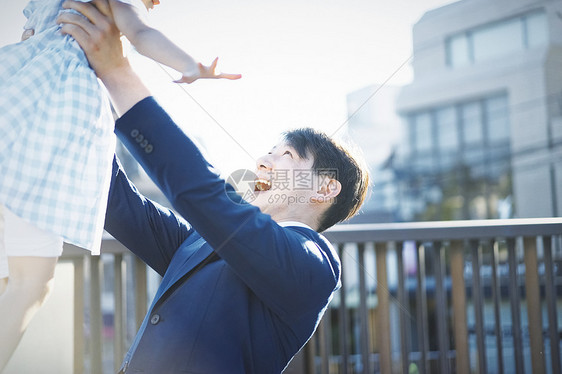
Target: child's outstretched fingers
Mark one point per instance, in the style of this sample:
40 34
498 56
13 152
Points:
207 72
214 64
211 72
229 76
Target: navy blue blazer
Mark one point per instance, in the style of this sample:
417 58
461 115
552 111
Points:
247 310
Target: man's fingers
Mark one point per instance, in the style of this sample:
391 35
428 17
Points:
102 6
96 33
74 19
78 33
89 31
89 11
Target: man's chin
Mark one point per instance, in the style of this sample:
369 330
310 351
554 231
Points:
261 199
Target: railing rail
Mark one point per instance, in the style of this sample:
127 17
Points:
445 230
428 297
447 248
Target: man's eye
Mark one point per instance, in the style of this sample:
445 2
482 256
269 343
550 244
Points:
288 153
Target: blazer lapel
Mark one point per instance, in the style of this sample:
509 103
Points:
189 255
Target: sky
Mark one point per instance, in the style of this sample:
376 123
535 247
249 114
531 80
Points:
299 60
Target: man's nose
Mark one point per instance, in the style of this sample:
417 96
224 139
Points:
264 163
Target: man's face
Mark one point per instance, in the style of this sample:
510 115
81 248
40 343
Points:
285 182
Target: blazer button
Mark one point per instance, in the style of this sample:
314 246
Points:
155 319
135 133
139 138
148 148
144 143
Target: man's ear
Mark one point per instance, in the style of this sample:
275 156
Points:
328 191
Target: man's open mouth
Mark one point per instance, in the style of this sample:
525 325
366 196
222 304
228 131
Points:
262 185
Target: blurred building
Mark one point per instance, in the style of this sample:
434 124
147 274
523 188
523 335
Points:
375 127
483 116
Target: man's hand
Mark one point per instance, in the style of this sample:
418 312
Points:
100 39
96 33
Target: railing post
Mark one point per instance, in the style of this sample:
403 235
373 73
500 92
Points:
119 320
514 292
405 316
343 315
96 323
141 298
78 315
421 309
478 306
496 295
325 341
383 322
534 305
364 330
441 307
459 307
550 295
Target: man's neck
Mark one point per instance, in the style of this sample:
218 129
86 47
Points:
305 220
294 224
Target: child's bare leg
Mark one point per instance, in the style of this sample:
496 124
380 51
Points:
30 282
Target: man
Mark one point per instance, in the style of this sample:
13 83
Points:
244 285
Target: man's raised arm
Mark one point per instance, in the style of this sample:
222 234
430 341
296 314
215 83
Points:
100 39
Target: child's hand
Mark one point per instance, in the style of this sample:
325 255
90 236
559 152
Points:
207 72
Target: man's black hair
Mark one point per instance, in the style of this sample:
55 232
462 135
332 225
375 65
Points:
331 157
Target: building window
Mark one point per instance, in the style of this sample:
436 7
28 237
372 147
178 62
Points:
459 165
447 134
471 123
423 133
458 50
496 113
497 39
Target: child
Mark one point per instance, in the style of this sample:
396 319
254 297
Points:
56 147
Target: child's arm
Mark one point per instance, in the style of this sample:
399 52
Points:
155 45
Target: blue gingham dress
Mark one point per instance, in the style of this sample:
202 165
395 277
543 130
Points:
56 132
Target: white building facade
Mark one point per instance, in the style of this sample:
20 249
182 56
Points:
483 115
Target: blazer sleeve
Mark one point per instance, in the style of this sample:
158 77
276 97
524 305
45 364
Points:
147 229
291 271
